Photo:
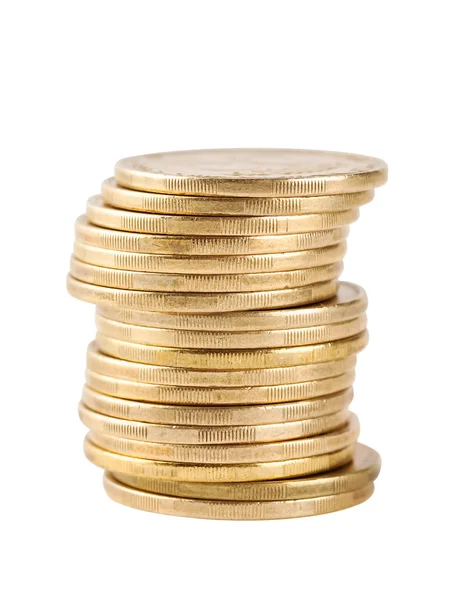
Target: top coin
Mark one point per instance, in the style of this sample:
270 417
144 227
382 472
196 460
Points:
251 172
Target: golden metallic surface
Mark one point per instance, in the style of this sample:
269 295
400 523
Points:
251 172
229 339
349 303
259 358
234 511
122 197
168 282
204 245
213 473
199 302
168 394
206 265
168 414
103 215
224 436
175 376
363 470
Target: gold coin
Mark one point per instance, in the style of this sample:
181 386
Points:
214 416
230 339
202 302
103 215
174 376
168 282
234 511
168 263
240 437
363 470
168 394
237 472
251 172
199 205
349 303
260 358
205 245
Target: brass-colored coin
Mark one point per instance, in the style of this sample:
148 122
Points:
363 470
285 469
201 302
234 444
251 172
147 412
227 265
234 511
174 376
103 215
228 453
211 205
168 282
259 358
205 245
230 339
349 303
168 394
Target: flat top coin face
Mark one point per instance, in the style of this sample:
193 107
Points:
251 172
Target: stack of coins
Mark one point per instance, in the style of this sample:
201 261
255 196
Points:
220 379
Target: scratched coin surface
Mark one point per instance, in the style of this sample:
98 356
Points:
149 412
122 197
363 469
264 471
251 172
349 303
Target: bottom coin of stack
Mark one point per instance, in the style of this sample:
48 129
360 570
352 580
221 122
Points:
230 416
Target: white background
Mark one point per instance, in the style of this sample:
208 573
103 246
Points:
87 83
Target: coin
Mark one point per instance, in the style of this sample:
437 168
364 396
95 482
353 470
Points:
169 394
350 302
174 376
103 215
251 172
199 205
168 282
168 263
224 436
229 339
240 511
215 416
233 472
201 302
363 469
204 245
259 358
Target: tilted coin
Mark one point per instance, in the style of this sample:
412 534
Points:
168 282
205 472
249 263
238 436
243 378
214 416
251 172
259 358
350 302
199 302
228 339
169 394
240 511
104 215
205 245
210 205
363 470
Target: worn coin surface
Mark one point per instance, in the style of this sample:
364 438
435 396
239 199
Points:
363 469
122 197
251 172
